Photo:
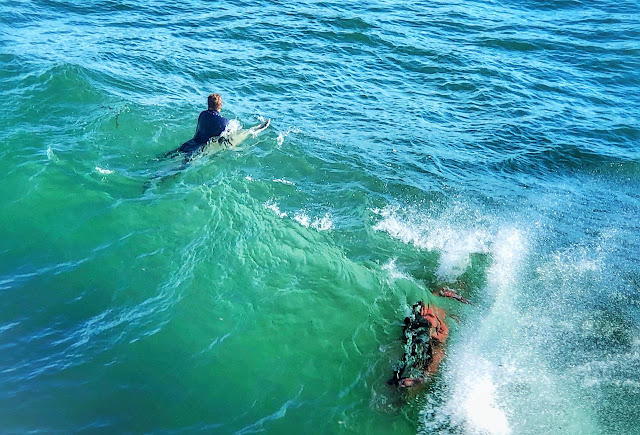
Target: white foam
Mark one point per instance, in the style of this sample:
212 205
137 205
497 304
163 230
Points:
321 224
283 181
283 134
232 127
273 206
477 404
508 249
573 262
497 378
479 371
302 218
477 374
455 242
104 171
324 223
394 271
500 381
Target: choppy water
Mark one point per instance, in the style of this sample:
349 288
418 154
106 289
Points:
492 146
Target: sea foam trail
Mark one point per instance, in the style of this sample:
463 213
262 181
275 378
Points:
103 171
472 403
476 381
453 240
495 379
324 223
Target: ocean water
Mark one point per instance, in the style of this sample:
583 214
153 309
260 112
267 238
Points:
491 146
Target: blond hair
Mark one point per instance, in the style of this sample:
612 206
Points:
214 102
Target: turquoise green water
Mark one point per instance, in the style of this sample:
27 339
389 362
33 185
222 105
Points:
492 147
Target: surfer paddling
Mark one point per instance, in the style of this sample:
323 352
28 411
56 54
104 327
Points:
212 129
425 333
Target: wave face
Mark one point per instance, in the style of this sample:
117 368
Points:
490 146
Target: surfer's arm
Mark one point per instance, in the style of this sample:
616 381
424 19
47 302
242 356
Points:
448 293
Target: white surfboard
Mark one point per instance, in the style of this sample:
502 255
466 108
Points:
231 139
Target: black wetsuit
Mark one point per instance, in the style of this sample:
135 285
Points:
210 124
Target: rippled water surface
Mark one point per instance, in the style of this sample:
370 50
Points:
493 147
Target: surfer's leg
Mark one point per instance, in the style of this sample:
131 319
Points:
188 147
240 136
170 154
259 128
